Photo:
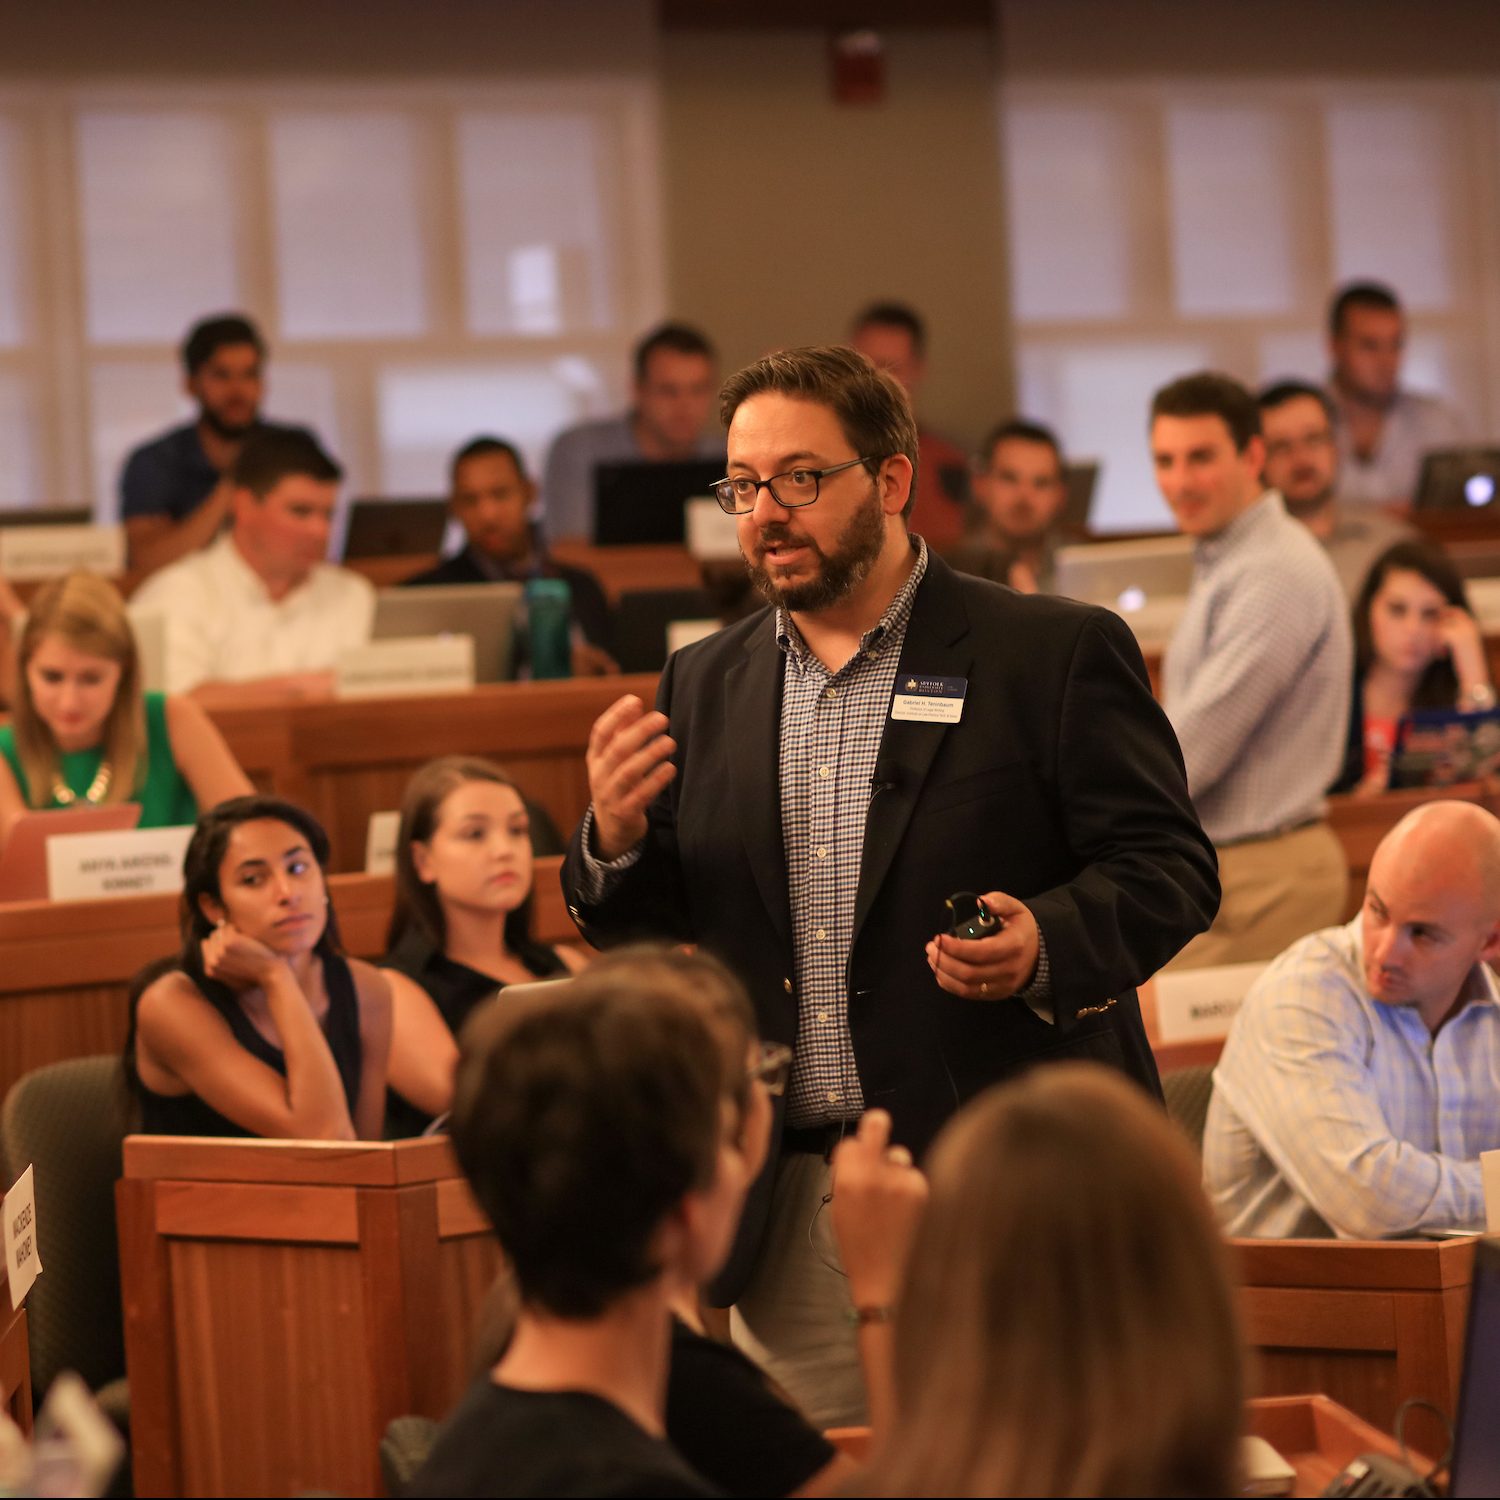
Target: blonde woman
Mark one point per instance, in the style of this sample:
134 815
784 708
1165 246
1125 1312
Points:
1065 1325
81 729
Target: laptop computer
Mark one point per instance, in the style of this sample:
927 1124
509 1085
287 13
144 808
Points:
1476 1437
47 515
1440 747
23 864
489 612
1459 479
1080 479
1125 575
644 502
395 528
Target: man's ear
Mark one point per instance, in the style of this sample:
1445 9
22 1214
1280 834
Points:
1490 953
894 483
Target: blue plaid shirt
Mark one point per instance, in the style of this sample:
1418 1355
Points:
1333 1113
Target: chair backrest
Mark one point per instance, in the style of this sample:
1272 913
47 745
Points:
404 1449
68 1121
1187 1092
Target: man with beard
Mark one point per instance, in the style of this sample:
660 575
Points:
1302 462
816 780
1019 492
175 491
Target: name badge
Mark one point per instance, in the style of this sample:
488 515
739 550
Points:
23 1262
29 554
138 862
929 700
407 664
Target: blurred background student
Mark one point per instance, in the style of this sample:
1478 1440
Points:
82 731
259 1026
1110 1364
460 929
1416 645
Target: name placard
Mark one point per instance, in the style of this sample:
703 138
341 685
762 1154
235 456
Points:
407 664
1197 1005
712 533
29 554
1489 1178
380 843
682 633
23 1261
139 862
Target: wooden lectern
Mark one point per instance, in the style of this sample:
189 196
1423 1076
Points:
285 1300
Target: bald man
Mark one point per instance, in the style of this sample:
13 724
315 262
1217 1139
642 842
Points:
1361 1078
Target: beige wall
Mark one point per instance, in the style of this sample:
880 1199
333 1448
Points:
785 211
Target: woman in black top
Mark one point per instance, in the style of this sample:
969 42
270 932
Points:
460 928
259 1026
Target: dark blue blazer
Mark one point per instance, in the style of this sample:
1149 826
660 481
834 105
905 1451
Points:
1062 785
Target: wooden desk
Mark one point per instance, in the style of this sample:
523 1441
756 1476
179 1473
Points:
1368 1323
346 760
621 570
284 1301
15 1360
1318 1437
65 968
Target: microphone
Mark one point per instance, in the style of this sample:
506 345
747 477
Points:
887 775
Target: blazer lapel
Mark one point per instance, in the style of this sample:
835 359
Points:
937 645
752 733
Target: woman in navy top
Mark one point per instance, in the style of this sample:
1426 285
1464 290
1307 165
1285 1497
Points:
259 1026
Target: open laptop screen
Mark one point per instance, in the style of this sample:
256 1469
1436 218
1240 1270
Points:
1476 1449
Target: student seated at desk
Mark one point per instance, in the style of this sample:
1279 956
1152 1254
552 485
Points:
82 731
460 929
1416 645
260 603
601 1134
1065 1325
259 1026
491 496
1361 1077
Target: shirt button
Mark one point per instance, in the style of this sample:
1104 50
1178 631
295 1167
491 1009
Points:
822 852
823 772
822 933
786 984
830 692
822 1015
871 655
833 1096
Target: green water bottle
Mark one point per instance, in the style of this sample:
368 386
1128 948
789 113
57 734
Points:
549 627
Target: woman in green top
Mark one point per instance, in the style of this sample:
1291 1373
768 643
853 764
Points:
83 732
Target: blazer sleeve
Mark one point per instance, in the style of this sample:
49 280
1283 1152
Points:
644 903
1148 875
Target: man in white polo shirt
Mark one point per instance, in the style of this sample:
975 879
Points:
261 604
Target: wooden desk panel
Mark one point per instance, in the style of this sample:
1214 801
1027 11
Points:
15 1359
66 967
1369 1324
264 1361
621 570
347 760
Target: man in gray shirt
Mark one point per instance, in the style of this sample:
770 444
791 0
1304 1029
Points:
1256 676
1383 431
676 379
1302 462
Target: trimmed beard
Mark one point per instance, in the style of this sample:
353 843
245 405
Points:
841 571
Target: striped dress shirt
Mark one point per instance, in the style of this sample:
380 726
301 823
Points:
1257 676
1336 1114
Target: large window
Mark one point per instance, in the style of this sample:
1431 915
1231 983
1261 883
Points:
1165 226
427 262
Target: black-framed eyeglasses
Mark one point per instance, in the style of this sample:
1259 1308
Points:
773 1067
796 487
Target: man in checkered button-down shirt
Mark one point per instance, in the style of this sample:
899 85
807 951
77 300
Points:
889 734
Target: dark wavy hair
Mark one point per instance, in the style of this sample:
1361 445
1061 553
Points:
200 877
1439 685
